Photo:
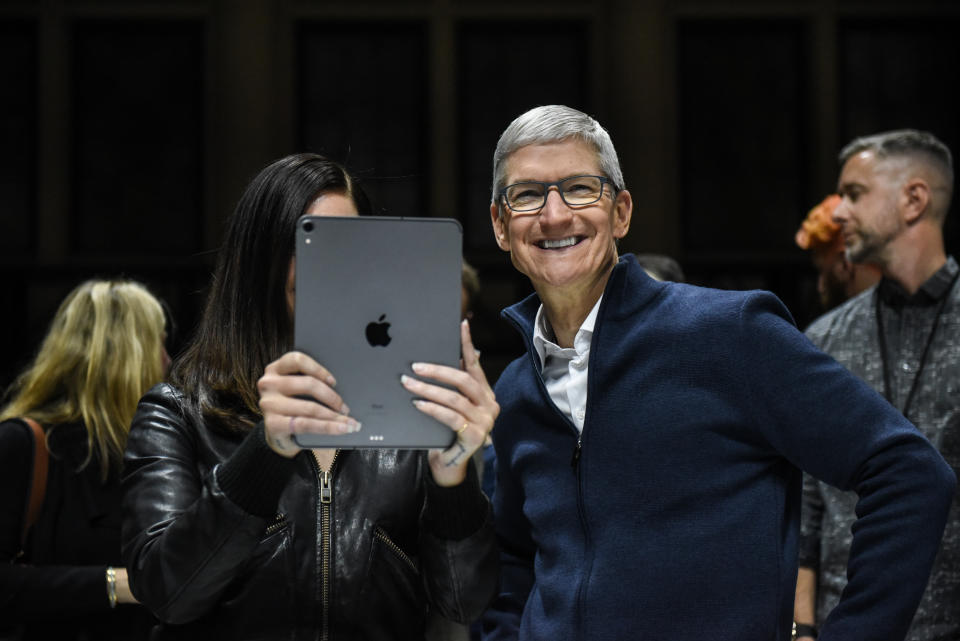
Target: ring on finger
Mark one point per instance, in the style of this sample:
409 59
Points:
460 431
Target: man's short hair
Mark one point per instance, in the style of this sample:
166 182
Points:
911 144
550 124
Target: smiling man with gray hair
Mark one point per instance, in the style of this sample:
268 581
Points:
650 441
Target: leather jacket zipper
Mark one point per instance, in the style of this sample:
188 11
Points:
279 521
384 538
326 505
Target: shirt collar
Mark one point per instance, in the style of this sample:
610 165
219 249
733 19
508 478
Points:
544 339
932 290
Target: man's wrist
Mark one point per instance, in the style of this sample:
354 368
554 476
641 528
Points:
804 630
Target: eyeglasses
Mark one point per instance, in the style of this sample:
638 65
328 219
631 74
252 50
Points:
575 191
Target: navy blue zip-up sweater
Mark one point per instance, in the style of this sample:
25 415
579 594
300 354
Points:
675 515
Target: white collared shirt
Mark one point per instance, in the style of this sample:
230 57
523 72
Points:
564 369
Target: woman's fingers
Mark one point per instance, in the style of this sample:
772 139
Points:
470 401
284 418
471 356
297 397
300 363
295 394
281 432
455 398
470 380
296 374
304 410
468 409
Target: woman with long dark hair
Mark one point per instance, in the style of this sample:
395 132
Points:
231 530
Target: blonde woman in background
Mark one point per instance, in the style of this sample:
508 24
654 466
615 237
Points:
104 349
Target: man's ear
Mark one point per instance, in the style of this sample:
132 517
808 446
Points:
916 199
622 213
499 227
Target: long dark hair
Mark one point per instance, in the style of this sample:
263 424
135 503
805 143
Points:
246 323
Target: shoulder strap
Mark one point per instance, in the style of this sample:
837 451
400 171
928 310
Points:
38 482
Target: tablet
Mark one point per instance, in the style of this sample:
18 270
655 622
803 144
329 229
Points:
375 294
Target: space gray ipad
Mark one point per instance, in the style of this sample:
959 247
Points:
373 295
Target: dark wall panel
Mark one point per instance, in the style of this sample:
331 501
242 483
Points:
18 131
362 99
503 70
742 134
138 138
902 74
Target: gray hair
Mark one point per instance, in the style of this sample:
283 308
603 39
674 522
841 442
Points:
550 124
902 142
912 145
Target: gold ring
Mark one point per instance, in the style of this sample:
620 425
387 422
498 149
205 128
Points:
460 431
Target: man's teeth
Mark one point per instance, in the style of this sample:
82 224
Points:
563 242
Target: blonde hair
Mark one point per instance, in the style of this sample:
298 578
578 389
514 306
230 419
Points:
102 352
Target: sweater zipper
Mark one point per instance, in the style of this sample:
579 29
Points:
574 462
326 505
575 458
575 466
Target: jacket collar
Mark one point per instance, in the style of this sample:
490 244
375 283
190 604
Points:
931 291
628 291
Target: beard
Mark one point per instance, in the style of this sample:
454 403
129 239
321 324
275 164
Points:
871 233
859 251
869 246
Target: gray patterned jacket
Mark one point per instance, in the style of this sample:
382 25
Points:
850 334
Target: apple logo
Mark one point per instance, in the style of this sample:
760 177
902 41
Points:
377 332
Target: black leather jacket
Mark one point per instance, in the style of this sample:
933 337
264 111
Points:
225 539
